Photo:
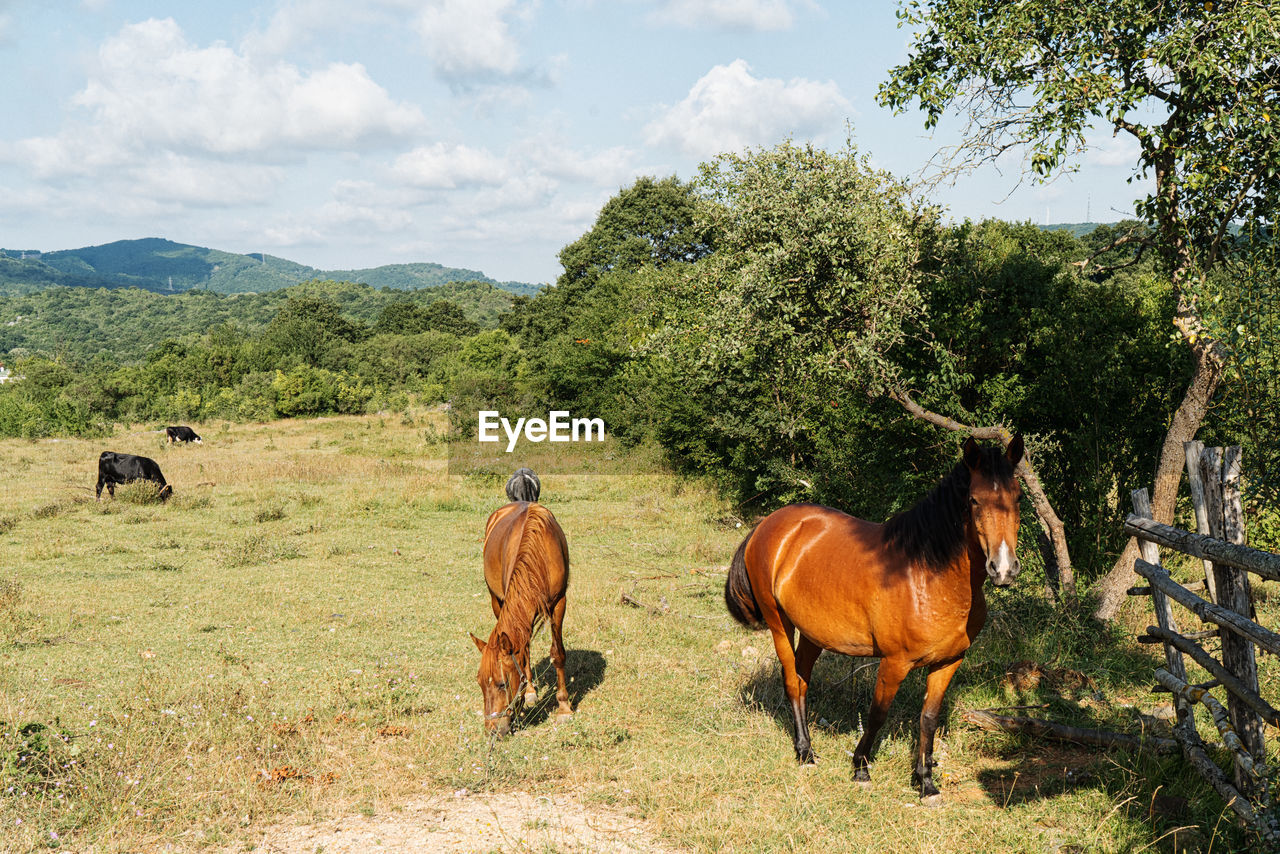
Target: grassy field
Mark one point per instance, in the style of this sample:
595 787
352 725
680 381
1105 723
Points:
287 639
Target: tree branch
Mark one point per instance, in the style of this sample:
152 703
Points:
1131 236
1230 213
1044 509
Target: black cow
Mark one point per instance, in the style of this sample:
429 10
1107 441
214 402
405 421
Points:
182 434
523 485
116 468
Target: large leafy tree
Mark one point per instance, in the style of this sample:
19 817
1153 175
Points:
775 339
1196 86
574 335
306 327
654 222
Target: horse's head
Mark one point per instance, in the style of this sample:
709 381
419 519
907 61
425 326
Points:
501 679
994 494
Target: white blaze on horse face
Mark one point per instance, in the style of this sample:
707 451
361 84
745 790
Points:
1002 566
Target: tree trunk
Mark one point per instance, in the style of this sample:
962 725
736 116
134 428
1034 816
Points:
1209 365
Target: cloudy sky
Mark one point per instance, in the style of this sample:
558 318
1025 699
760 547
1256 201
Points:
474 133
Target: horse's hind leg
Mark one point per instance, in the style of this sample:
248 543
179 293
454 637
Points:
935 689
563 709
782 630
807 653
889 677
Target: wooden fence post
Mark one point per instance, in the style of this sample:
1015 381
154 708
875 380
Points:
1220 469
1193 450
1164 618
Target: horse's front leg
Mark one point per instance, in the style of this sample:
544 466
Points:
563 709
530 690
935 689
889 676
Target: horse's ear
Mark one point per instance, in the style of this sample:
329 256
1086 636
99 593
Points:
1014 453
480 645
972 453
504 644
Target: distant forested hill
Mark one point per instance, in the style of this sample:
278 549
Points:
125 323
162 266
1076 229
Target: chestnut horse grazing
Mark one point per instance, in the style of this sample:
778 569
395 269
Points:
908 592
526 565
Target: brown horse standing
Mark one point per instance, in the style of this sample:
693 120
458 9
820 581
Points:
908 592
526 566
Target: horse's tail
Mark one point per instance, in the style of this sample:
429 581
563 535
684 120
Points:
524 485
738 596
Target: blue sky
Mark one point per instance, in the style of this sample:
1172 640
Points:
483 134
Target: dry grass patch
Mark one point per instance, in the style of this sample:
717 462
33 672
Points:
258 549
296 648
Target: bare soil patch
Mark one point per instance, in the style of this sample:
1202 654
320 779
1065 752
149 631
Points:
465 822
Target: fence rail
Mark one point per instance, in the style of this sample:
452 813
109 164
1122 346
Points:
1214 474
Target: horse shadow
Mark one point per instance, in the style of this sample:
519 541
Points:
841 688
583 668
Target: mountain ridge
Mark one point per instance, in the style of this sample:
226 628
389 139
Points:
165 266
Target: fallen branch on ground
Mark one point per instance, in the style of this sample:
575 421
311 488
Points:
628 599
1063 732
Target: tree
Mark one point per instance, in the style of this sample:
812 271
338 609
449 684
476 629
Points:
306 327
653 222
574 335
406 318
815 269
1196 86
802 335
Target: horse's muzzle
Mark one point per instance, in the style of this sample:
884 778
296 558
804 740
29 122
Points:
1003 566
1003 576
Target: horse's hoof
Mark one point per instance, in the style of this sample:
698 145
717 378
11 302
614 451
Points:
862 784
530 697
934 800
563 714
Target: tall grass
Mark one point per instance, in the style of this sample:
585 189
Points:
287 638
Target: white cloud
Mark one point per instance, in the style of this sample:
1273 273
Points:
448 167
470 41
152 94
729 109
198 183
296 21
1106 149
341 217
749 15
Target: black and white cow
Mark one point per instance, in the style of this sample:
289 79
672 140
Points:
116 468
182 434
524 485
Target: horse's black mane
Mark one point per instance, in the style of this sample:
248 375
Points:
932 532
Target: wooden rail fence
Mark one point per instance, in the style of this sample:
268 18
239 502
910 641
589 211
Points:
1226 605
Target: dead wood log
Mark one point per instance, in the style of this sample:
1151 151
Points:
1076 735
